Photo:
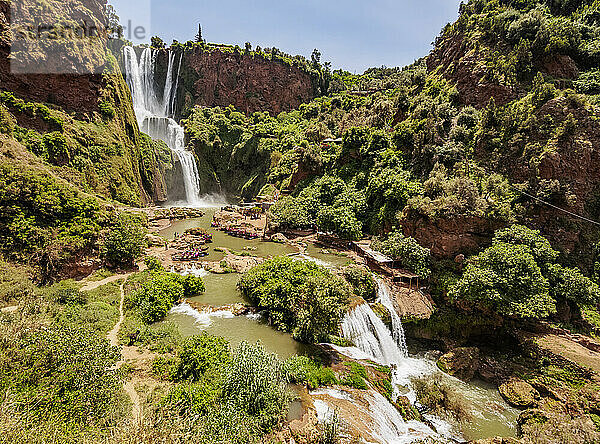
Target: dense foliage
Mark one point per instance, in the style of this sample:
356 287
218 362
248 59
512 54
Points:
151 294
362 281
125 240
303 298
517 276
407 250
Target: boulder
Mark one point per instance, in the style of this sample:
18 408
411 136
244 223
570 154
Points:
530 417
519 393
461 362
279 238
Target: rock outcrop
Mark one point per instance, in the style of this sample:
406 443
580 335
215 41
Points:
72 91
518 393
461 362
217 77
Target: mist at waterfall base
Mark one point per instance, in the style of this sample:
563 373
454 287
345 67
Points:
155 114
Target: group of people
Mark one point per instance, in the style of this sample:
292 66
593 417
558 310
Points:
190 255
240 232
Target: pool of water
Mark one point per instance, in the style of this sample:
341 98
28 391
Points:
235 330
256 247
491 416
328 257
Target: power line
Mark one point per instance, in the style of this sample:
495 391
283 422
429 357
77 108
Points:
554 206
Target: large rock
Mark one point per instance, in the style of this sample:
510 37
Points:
279 238
462 362
518 393
530 417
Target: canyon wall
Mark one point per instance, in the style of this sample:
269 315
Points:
213 76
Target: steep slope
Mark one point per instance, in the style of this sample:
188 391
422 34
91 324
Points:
82 122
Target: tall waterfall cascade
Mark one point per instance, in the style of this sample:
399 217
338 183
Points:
155 114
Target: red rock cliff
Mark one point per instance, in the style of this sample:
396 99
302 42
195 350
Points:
250 83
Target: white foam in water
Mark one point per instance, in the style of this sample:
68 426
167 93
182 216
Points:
203 319
383 294
364 328
374 341
155 116
195 271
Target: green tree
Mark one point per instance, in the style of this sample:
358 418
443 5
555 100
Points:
301 297
507 279
407 250
125 241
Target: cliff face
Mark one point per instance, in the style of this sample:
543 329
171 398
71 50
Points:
219 78
91 114
71 91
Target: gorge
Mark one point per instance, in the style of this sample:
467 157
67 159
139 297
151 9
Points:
208 243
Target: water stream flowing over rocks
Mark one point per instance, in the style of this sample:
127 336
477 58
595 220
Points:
155 115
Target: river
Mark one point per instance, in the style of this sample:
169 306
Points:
491 416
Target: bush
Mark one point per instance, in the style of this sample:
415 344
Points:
192 285
407 250
362 282
200 354
125 241
256 383
304 370
153 264
301 297
59 372
507 279
156 295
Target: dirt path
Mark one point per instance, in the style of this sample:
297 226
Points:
89 286
113 338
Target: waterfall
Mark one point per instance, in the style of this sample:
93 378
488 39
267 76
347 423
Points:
370 335
383 294
155 115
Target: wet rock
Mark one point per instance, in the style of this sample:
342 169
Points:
279 238
462 362
519 393
530 417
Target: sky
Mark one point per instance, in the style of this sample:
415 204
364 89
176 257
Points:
351 34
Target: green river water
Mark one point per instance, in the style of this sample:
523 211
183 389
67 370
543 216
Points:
491 415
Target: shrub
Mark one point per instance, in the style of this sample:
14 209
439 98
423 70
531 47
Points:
507 279
304 370
362 282
192 285
155 296
153 264
200 354
256 384
7 121
125 241
301 297
407 250
59 372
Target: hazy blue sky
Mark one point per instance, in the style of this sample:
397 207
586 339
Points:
352 34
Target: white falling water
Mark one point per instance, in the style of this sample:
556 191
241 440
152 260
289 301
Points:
383 293
370 335
155 115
